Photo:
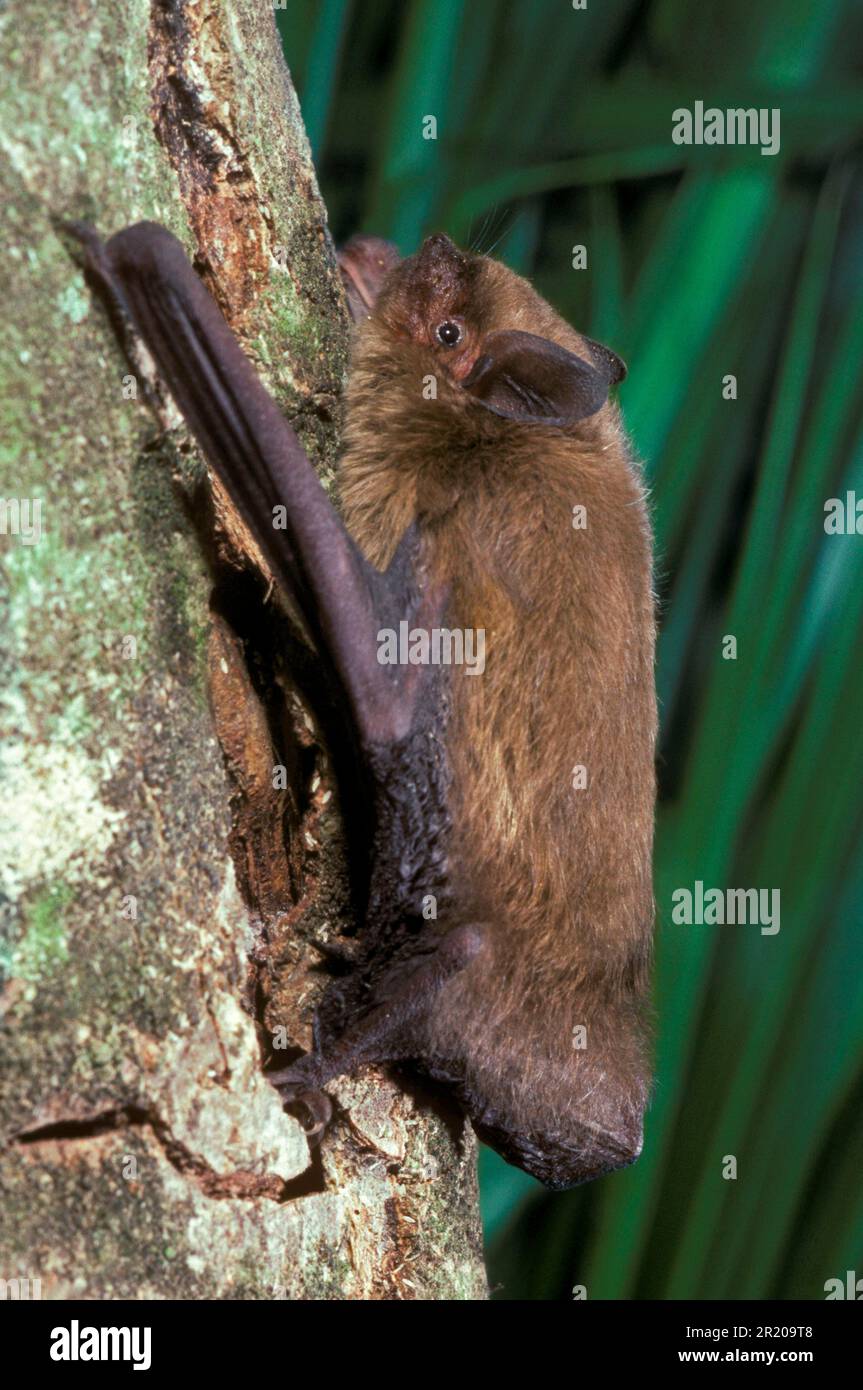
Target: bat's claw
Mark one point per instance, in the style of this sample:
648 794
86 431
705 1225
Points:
94 259
88 238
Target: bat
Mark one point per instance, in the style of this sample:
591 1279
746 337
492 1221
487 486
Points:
483 614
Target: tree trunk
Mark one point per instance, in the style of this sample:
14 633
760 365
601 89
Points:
160 894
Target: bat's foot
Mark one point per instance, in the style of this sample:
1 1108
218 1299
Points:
313 1109
302 1097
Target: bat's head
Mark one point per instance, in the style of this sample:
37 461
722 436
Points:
434 300
477 326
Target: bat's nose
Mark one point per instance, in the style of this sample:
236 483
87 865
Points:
438 253
438 242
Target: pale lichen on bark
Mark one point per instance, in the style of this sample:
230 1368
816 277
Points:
144 1155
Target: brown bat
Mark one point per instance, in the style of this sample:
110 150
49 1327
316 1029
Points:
491 508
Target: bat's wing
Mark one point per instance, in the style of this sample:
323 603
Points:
396 712
144 272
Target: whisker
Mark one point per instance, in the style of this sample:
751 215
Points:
505 231
483 229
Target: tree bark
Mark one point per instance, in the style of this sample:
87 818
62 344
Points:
159 894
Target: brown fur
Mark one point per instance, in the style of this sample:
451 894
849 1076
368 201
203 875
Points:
546 906
561 876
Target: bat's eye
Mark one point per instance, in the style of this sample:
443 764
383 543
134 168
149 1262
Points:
449 333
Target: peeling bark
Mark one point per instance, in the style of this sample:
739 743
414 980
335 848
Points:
160 897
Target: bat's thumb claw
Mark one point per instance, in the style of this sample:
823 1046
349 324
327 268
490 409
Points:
83 232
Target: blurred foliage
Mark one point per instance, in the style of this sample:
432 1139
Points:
554 128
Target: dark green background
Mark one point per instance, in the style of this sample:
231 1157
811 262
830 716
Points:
554 128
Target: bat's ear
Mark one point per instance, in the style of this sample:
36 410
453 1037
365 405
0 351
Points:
365 262
523 377
608 361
